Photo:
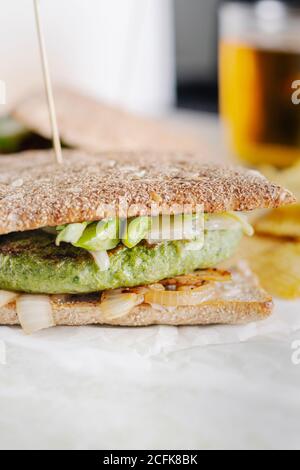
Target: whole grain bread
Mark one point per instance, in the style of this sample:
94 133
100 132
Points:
239 301
36 192
95 126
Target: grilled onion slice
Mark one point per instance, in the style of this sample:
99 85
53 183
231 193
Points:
116 305
34 312
198 278
7 297
193 296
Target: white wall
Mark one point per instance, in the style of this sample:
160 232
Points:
120 50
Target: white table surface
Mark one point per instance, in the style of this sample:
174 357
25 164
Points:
155 388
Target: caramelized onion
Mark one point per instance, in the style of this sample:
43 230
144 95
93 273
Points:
156 287
7 297
198 278
180 298
114 305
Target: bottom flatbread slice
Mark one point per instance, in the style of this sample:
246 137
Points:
238 301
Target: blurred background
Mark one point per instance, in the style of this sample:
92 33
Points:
155 52
151 56
196 26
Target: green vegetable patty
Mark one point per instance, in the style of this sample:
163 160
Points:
31 262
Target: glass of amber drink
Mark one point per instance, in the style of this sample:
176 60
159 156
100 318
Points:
259 64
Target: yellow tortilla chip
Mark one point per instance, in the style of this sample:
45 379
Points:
277 265
283 222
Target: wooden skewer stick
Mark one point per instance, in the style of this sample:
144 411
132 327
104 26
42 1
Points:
48 85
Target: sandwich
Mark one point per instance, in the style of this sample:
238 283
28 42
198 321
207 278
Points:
97 240
90 125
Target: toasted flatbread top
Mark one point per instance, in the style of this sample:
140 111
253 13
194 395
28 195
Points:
36 192
95 126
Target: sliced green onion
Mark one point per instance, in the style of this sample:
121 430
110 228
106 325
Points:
99 236
137 231
71 233
107 229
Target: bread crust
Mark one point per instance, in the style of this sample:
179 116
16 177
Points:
35 192
228 313
96 126
239 301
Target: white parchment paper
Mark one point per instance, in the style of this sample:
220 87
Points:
158 387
